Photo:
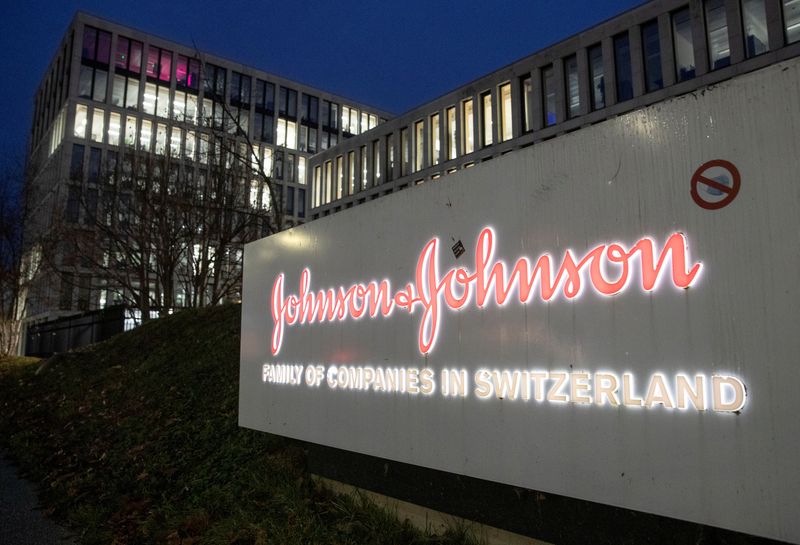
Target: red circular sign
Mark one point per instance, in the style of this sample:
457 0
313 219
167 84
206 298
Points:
717 178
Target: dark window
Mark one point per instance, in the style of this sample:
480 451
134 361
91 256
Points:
526 95
572 86
309 110
791 20
73 204
214 81
301 203
287 106
65 298
330 115
549 95
651 48
93 83
90 216
291 162
96 45
622 59
278 168
94 165
159 63
264 127
265 95
597 78
128 56
683 42
290 201
754 19
240 90
76 164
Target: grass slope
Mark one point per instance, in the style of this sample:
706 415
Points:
135 440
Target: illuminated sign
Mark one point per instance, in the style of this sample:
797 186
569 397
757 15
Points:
487 281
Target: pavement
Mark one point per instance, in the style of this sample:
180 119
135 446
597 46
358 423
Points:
21 521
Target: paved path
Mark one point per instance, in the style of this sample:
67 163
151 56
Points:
20 521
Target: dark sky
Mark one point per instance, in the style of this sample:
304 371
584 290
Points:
392 55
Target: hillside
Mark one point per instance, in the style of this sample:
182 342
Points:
135 440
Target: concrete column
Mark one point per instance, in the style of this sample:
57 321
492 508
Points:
637 60
775 27
699 37
667 50
537 99
584 81
560 87
733 15
609 71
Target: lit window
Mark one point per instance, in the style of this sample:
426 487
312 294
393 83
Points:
486 118
573 90
159 63
719 51
791 18
162 109
175 142
506 123
188 150
549 95
373 121
81 119
435 139
301 170
287 133
145 134
351 171
364 167
376 162
622 60
754 17
684 44
98 125
339 177
96 45
467 122
651 47
452 149
202 150
128 56
255 187
113 129
149 99
328 182
526 85
419 146
364 122
390 157
161 138
268 164
598 90
316 191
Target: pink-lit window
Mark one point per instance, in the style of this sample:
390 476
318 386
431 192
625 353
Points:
128 55
187 72
159 63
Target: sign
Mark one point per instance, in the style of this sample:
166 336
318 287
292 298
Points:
596 335
715 184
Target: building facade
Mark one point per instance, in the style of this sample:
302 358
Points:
659 50
120 109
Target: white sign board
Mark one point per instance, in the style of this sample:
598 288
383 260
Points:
611 315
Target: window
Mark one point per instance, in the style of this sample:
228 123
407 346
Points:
188 150
719 51
684 44
339 177
265 96
278 161
145 134
176 138
76 162
287 106
506 124
301 203
113 129
96 45
598 90
301 170
435 140
573 89
94 166
651 48
156 100
328 182
364 122
73 204
330 115
526 94
452 149
754 18
364 178
184 107
316 190
351 172
791 20
290 201
309 109
128 57
468 124
419 145
263 126
291 167
486 119
622 60
373 121
405 152
161 138
349 120
240 90
130 131
187 73
98 125
549 95
92 83
81 120
390 154
376 162
214 83
287 133
159 63
125 93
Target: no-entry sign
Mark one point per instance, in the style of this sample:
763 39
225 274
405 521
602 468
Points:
715 184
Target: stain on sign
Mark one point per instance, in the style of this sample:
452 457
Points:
715 184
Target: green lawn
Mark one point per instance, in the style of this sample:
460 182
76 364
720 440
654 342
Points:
135 441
